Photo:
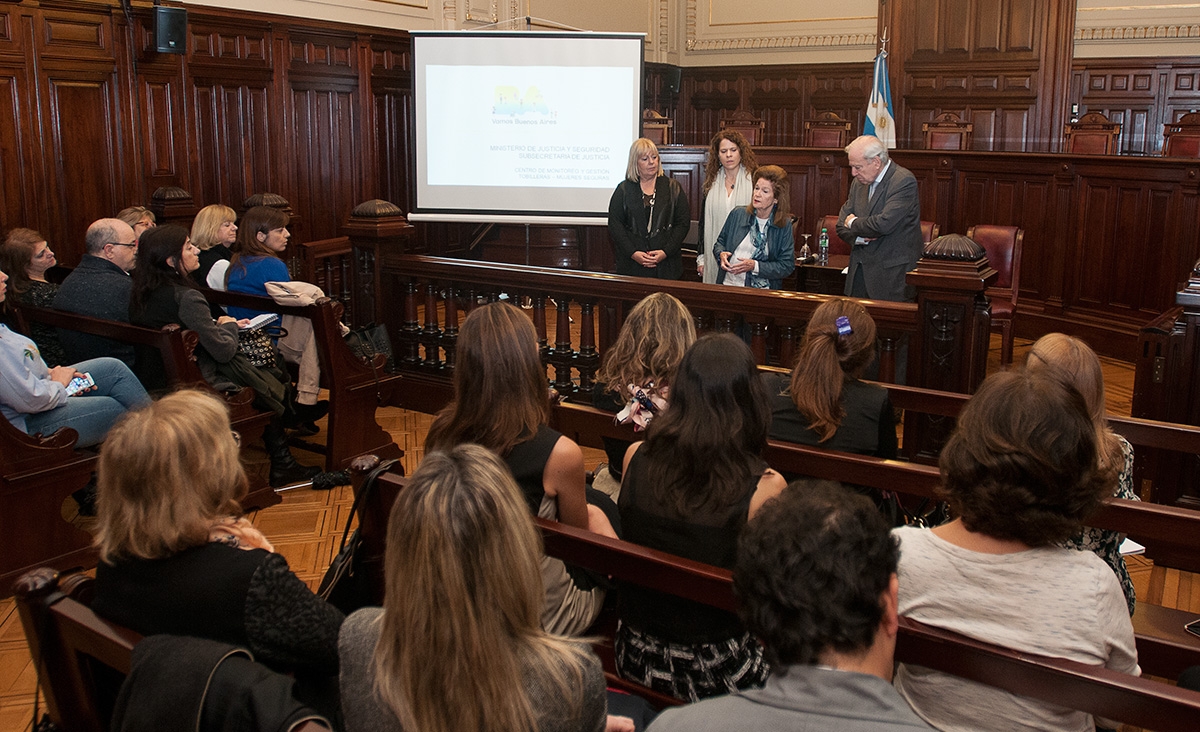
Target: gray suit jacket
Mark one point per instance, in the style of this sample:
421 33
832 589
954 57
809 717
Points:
892 219
806 698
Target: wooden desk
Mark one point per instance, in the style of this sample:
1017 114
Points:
823 279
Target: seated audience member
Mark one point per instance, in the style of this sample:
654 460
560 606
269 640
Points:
1021 473
816 584
99 288
261 239
458 643
1076 364
502 402
213 233
688 490
177 556
139 218
26 257
35 399
164 295
824 403
653 338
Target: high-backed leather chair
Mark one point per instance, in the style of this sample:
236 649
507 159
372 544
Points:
827 130
1093 134
751 127
836 245
1003 247
656 127
1182 139
948 131
929 231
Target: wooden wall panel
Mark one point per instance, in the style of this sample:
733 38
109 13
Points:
233 125
16 201
1141 94
328 178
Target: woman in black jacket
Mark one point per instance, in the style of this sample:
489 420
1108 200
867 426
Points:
648 217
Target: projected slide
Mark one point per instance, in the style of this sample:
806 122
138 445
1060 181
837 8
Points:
529 127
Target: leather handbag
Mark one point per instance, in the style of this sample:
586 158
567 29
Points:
347 584
257 345
369 340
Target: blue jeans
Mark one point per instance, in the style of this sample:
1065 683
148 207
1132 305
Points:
91 414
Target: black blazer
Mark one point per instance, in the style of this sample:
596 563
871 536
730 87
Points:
627 227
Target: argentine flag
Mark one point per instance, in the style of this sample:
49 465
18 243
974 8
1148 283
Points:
880 121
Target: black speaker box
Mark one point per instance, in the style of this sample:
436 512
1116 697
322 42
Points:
170 30
671 79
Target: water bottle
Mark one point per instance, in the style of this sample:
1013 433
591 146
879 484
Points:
823 247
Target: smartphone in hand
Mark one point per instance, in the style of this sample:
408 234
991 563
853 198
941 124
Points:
80 383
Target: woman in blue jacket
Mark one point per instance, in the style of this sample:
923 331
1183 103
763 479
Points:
755 247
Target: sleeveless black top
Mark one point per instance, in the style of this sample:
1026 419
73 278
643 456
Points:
652 523
527 461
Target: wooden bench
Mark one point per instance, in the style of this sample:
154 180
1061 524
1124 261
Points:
36 475
1099 691
80 658
356 389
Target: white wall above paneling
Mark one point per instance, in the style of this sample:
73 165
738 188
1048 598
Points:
400 14
1104 28
727 32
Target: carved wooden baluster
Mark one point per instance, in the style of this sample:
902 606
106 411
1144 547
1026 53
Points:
723 323
588 359
450 334
346 261
431 334
703 321
563 355
887 358
470 299
787 345
539 324
758 341
410 332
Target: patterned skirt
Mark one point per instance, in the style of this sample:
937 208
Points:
690 671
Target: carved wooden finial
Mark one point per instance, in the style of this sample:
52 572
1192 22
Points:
954 248
170 193
36 582
376 208
271 200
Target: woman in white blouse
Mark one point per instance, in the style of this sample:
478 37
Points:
727 185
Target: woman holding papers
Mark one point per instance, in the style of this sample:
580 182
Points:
163 294
648 218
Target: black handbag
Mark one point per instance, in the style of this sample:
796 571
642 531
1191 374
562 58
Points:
257 345
369 340
346 584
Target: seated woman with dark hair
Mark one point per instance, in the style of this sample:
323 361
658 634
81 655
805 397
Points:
458 643
1021 472
502 402
163 294
824 403
26 257
177 557
688 490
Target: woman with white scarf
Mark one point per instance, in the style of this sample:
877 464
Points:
731 163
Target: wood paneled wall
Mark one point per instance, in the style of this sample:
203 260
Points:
93 120
1141 94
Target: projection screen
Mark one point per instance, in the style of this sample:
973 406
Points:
523 127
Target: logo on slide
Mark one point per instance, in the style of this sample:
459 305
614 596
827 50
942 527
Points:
507 100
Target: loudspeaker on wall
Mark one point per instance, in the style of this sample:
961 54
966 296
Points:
671 79
170 30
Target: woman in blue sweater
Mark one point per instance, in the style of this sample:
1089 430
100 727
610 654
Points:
261 239
755 247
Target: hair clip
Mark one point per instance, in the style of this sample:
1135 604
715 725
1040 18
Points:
843 325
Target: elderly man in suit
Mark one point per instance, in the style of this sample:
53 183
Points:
882 222
99 288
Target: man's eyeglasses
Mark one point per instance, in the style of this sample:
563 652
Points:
131 245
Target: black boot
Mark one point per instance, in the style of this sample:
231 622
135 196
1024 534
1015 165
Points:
298 415
284 468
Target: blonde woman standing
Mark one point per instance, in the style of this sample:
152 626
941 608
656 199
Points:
727 185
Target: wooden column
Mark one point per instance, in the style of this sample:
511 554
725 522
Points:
949 352
376 229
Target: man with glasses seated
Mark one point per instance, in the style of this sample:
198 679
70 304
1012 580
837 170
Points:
99 288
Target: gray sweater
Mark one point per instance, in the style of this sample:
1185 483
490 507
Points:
365 713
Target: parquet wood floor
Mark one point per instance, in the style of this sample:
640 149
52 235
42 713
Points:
307 527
